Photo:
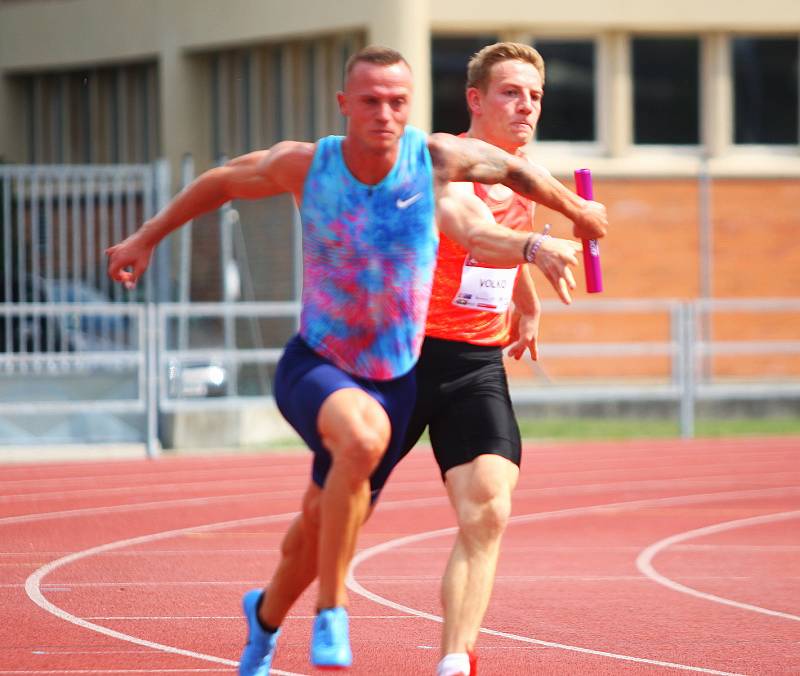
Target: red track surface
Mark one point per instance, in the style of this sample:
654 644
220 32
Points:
138 566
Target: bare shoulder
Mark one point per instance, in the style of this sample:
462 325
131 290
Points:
289 160
290 155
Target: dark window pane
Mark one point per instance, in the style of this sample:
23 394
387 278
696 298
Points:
449 58
765 90
568 112
666 90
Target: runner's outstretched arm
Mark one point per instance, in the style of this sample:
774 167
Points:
468 159
466 219
264 173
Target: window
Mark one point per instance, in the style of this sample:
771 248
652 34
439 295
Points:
449 57
100 115
666 90
765 76
568 110
262 95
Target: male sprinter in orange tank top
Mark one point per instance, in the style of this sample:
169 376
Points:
462 391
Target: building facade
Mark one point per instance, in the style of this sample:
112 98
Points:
688 113
633 88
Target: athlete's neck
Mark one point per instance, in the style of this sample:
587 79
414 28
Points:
368 165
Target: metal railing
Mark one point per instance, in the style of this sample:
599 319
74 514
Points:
690 346
73 343
677 346
227 355
148 356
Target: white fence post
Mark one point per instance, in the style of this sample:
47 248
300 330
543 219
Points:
688 365
159 279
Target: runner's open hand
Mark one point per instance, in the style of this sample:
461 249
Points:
553 258
524 335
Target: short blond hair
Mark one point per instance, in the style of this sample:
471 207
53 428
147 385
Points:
479 68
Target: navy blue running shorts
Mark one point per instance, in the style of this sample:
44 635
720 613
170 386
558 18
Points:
304 380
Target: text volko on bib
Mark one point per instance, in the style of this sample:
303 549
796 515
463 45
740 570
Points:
485 288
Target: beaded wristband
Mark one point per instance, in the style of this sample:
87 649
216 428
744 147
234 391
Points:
531 251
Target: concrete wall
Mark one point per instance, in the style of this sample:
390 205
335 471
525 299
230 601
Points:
38 36
591 16
46 35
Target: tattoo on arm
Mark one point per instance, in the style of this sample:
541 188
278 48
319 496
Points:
467 159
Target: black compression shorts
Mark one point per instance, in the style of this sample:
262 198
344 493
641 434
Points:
462 397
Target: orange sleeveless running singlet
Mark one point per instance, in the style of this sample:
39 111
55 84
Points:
451 322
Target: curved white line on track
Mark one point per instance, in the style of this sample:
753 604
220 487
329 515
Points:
130 507
239 483
368 553
175 474
33 583
644 562
573 488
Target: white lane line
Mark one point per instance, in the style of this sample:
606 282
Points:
296 460
395 579
131 507
177 474
33 585
727 480
218 485
520 492
182 502
644 562
368 553
34 582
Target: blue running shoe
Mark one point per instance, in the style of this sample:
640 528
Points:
330 639
260 649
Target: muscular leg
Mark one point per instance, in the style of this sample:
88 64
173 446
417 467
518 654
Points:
298 565
356 431
296 570
480 492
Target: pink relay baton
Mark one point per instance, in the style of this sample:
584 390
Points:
591 249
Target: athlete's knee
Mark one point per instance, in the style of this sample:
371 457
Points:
481 494
485 520
360 451
356 431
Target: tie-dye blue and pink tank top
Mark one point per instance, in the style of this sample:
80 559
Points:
369 253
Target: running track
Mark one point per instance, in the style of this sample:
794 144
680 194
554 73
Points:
625 558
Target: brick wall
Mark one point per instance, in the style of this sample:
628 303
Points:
653 251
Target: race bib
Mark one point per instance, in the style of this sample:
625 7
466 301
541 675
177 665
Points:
488 289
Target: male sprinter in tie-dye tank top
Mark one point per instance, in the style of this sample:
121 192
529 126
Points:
346 381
